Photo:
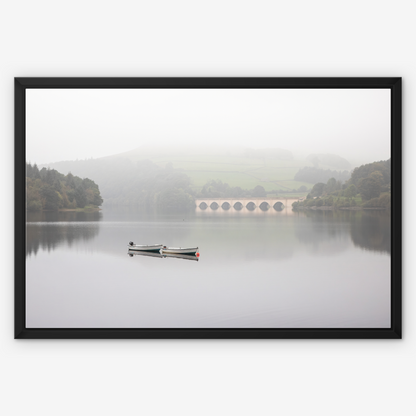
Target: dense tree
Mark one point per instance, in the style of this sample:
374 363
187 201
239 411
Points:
80 196
378 177
236 191
48 189
351 191
372 181
51 198
317 189
32 171
364 171
331 185
369 188
70 181
259 191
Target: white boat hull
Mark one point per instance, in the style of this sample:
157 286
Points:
180 250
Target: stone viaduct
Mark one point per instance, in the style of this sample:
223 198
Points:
252 204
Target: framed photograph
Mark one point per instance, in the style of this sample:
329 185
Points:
208 208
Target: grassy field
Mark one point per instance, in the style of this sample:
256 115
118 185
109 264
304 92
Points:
229 167
247 173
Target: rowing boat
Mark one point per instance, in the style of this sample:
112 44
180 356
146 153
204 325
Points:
193 257
154 248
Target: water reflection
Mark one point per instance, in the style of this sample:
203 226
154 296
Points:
132 253
228 232
264 271
372 231
48 230
321 235
64 216
314 227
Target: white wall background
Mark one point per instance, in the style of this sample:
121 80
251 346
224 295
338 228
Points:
216 38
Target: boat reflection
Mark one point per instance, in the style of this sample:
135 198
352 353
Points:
182 256
132 253
192 257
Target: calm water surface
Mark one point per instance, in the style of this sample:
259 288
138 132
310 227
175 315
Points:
303 270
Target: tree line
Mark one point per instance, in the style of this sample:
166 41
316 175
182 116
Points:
369 186
146 185
315 175
218 189
334 161
47 189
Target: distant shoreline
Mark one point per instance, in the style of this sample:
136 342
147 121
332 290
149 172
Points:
323 208
70 210
80 209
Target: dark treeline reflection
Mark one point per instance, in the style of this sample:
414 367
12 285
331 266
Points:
63 216
47 230
372 231
319 226
368 229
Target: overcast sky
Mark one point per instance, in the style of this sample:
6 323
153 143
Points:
69 124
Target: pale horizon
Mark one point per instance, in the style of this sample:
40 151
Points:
71 124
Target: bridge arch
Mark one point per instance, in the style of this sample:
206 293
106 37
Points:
278 206
264 206
226 205
251 206
238 206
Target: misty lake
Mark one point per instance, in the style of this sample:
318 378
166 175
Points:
311 269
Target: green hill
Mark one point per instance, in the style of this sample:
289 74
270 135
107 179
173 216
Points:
274 169
119 176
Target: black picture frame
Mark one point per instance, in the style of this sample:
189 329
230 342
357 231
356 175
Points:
395 86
